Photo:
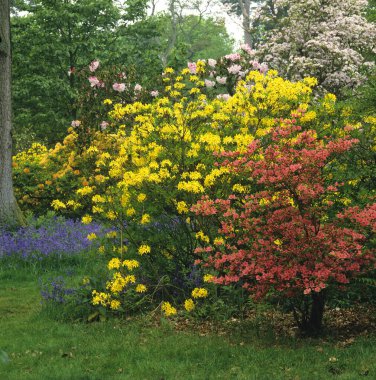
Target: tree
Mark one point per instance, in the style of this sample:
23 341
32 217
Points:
52 42
189 37
326 39
10 214
196 38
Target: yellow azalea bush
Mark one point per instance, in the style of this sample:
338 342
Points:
155 160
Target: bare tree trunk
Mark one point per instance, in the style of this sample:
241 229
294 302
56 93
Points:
10 214
164 56
245 6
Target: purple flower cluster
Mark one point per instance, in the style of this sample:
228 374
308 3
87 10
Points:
56 236
56 290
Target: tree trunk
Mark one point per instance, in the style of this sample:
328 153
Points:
311 323
245 6
10 214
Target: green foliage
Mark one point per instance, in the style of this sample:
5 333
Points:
54 37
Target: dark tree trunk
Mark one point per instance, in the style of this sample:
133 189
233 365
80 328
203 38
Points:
311 321
10 214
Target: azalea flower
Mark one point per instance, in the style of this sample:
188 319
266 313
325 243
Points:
192 67
221 80
94 81
209 83
103 125
93 65
234 69
120 87
212 62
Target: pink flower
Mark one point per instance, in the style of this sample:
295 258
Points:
224 97
263 68
209 83
94 82
212 62
247 49
154 93
234 69
192 67
75 123
137 88
221 80
93 65
233 57
255 64
120 87
103 125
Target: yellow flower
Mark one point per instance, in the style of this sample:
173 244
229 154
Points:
111 234
91 236
219 241
130 211
57 205
85 190
199 293
100 298
130 278
115 304
98 199
182 207
111 215
107 101
208 278
86 219
145 219
189 305
263 202
86 280
131 264
141 197
169 70
140 288
144 249
114 263
201 236
278 242
101 249
168 309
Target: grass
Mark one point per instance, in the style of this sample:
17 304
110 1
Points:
33 345
39 347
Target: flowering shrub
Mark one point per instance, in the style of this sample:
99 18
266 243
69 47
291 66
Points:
280 232
313 38
142 171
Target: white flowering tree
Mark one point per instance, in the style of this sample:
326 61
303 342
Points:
328 39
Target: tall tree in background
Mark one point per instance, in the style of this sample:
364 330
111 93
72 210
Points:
55 39
187 33
10 214
243 8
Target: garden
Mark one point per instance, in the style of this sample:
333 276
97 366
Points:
213 220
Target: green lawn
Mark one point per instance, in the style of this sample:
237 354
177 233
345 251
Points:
41 348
